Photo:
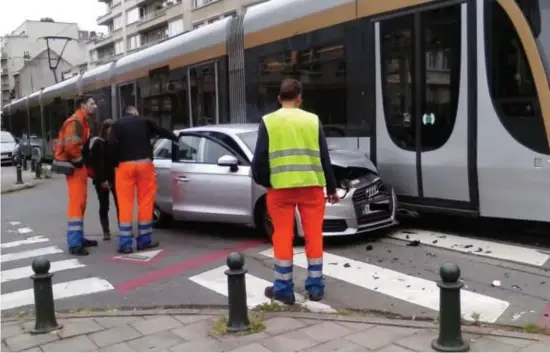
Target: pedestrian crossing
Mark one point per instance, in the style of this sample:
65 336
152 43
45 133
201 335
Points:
390 283
16 258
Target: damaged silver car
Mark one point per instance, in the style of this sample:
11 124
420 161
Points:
206 177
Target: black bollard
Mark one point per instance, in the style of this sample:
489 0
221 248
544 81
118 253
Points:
33 165
236 292
38 171
18 172
43 297
450 317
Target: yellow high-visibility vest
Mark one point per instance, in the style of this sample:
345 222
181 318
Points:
294 152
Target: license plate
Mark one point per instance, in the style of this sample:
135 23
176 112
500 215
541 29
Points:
366 209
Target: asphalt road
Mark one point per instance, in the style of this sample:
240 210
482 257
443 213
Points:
383 272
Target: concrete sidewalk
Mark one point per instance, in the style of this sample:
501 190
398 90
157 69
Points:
8 176
187 330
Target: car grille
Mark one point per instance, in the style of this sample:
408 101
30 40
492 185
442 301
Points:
334 225
378 197
6 154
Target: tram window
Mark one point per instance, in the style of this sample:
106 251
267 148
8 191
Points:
203 94
35 127
511 81
177 98
397 80
441 37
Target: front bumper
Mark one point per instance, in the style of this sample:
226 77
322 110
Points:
7 157
353 215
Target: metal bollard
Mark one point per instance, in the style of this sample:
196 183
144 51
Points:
450 318
18 172
43 297
38 171
236 288
33 165
24 161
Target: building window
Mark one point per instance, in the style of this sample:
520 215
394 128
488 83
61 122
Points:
134 42
511 82
132 15
117 23
201 3
119 47
93 55
175 27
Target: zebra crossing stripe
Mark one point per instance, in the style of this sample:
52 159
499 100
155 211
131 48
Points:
30 253
60 291
475 246
26 271
398 285
216 280
31 240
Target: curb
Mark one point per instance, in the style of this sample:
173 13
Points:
484 331
18 187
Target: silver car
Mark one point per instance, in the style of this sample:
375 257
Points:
9 147
207 177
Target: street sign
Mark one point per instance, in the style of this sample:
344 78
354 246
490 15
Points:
144 257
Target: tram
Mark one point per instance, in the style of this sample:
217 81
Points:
449 98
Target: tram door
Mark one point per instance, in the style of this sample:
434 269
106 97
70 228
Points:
422 107
202 81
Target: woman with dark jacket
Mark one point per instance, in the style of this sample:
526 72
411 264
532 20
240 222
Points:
103 174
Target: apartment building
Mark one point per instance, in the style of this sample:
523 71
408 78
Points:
133 25
24 58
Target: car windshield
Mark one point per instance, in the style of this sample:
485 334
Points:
249 139
6 137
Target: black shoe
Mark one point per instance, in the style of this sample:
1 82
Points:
90 243
78 251
269 293
316 297
125 251
152 245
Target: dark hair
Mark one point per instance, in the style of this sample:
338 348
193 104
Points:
83 99
290 89
105 125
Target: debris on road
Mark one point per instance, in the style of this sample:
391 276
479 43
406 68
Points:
375 276
479 250
369 247
468 246
346 265
515 286
434 242
414 243
495 283
431 254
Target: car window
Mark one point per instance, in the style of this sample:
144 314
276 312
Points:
188 148
229 141
162 149
213 151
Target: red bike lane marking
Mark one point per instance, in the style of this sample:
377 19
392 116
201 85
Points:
176 269
545 318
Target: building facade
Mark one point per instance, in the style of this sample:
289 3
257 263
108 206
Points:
133 25
24 61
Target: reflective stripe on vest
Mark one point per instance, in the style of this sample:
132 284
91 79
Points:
294 153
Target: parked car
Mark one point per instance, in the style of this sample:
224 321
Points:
9 147
207 177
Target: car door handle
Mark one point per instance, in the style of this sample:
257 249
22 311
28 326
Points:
182 179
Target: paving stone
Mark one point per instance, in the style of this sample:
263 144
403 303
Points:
26 340
33 349
326 331
537 347
309 322
73 344
289 342
4 348
112 321
81 327
11 329
191 319
254 347
243 340
380 336
516 342
277 325
156 324
194 331
114 335
156 342
337 345
119 347
355 326
395 348
205 344
486 344
420 342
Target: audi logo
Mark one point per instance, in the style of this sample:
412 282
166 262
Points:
371 191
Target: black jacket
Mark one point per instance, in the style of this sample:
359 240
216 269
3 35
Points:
101 161
260 163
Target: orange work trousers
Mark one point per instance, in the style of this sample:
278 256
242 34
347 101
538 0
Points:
281 205
77 185
130 176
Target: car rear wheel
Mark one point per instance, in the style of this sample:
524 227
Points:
160 219
265 224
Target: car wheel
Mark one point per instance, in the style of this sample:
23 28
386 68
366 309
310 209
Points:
265 224
160 219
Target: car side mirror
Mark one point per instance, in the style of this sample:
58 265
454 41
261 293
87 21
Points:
229 161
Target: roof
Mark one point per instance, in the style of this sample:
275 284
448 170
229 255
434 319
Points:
233 128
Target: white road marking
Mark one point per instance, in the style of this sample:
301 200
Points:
24 230
31 240
30 253
60 291
26 271
144 256
15 223
216 280
401 286
475 246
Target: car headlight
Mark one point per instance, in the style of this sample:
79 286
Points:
340 192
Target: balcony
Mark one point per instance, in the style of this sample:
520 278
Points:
107 39
5 86
155 18
197 4
154 37
106 18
